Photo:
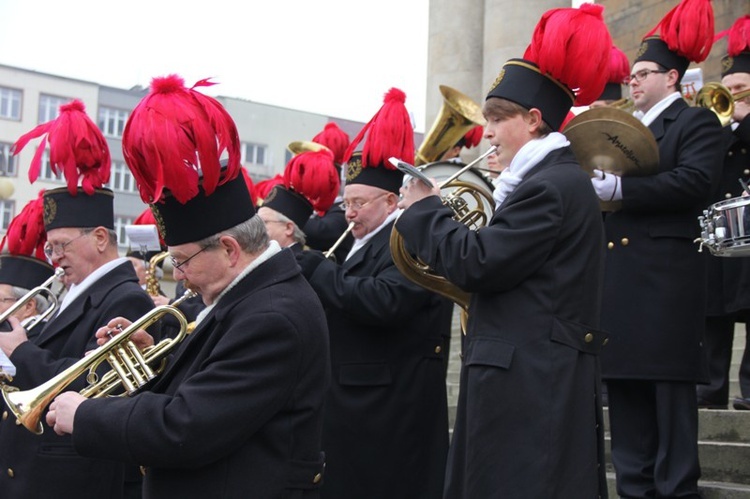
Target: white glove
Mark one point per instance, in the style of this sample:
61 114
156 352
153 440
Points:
607 185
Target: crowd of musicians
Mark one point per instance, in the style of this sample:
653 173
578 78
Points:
298 360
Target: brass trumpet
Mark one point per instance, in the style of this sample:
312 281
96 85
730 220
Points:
719 99
44 289
131 368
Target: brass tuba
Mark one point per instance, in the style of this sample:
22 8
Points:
469 195
457 116
131 368
719 99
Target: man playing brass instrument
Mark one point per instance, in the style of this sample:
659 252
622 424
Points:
237 411
529 422
81 240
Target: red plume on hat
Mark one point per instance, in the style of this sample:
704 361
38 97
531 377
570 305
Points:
263 187
739 36
313 175
175 134
390 134
572 46
26 235
335 139
619 66
77 149
250 186
473 136
688 29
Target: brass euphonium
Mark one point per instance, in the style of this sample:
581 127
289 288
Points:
44 289
457 116
473 205
131 368
152 281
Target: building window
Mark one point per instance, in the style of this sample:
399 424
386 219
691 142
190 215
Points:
10 103
112 121
121 179
254 154
8 162
49 107
7 211
45 172
122 237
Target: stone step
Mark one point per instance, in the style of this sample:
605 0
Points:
710 490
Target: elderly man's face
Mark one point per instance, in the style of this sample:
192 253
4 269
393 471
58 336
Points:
367 207
75 252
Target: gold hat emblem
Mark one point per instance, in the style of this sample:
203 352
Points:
498 79
353 168
641 50
727 63
50 210
269 197
159 220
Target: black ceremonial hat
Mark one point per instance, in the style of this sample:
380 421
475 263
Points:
24 271
378 176
61 209
201 216
290 204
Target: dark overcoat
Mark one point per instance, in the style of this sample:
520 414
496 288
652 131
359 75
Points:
729 277
527 417
48 465
386 425
238 411
654 301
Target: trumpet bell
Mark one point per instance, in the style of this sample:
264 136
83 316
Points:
716 98
300 146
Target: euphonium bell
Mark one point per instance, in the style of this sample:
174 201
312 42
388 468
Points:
131 368
44 289
457 116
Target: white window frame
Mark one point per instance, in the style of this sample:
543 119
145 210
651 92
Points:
49 107
112 121
8 162
10 103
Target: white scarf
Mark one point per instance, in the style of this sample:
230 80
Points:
649 116
530 155
359 243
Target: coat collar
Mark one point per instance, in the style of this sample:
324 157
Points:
372 248
670 114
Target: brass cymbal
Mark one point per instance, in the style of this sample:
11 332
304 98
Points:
614 141
300 146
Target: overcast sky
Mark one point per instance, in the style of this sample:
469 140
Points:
333 57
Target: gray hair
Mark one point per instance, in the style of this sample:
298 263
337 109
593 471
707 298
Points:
250 234
110 232
41 302
298 235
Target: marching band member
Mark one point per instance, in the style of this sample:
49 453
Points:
728 294
237 411
654 296
25 266
323 230
311 184
471 139
529 420
385 429
79 222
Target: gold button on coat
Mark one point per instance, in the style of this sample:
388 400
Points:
438 349
588 338
610 245
728 195
317 478
624 241
5 415
11 473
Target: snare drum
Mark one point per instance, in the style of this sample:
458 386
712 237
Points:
725 227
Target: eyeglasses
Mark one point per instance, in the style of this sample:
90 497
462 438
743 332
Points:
356 205
3 300
641 75
179 265
58 249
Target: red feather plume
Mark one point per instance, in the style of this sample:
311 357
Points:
263 187
175 134
335 139
688 29
78 150
572 46
314 176
250 186
739 36
390 134
619 66
473 136
26 235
